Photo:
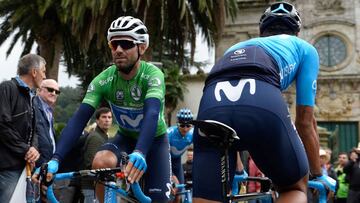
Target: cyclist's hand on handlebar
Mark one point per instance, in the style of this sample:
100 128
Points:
327 181
135 167
53 166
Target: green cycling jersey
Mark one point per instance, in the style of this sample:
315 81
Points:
126 97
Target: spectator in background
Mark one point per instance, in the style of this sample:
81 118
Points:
187 166
180 139
352 170
95 139
342 184
327 167
353 155
44 104
18 142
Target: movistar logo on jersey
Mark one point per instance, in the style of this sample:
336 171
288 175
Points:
128 118
233 93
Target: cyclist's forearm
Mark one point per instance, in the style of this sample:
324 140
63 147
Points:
73 130
306 127
148 130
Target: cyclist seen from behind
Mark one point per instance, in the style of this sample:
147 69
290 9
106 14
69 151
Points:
135 91
243 90
180 139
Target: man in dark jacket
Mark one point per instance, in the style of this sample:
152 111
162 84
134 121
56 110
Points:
352 170
18 140
44 104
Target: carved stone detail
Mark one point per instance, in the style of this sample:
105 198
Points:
329 4
328 7
333 106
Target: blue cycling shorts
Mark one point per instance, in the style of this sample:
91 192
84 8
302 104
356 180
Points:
258 113
157 175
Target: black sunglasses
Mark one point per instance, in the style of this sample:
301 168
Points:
124 44
51 90
185 125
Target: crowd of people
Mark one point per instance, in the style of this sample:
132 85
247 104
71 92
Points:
244 83
345 170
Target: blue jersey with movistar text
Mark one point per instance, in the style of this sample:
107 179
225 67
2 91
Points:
278 60
179 143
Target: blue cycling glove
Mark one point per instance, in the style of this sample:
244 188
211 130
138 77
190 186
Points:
241 173
53 166
138 160
327 181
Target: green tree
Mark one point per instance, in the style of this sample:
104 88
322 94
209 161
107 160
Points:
67 103
76 30
175 87
35 21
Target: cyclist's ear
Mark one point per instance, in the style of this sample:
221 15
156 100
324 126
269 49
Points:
142 49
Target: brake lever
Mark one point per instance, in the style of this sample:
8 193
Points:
43 174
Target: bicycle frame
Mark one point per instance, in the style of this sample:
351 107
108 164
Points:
321 188
264 194
311 184
185 193
111 189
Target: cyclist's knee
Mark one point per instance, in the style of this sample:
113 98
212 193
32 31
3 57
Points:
301 186
104 159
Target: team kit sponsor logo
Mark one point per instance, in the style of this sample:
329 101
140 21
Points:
239 54
128 118
91 88
233 93
119 95
154 82
135 92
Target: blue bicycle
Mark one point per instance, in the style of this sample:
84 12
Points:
185 192
317 185
223 136
117 189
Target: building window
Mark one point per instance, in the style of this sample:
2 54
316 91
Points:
332 50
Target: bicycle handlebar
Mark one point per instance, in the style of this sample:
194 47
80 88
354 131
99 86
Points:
321 188
139 195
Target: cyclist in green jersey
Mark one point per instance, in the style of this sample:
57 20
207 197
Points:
135 91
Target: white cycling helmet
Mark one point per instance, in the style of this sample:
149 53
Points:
129 26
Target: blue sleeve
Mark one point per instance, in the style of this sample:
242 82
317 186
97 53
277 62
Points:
307 76
73 130
148 129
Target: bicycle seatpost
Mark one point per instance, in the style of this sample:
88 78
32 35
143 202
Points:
222 136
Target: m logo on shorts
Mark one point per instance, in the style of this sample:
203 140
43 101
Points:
233 93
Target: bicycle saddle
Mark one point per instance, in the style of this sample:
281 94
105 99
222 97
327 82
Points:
216 131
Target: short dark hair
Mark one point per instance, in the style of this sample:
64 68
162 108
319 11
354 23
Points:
100 111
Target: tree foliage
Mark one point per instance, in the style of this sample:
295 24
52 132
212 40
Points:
67 103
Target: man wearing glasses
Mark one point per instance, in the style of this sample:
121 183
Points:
44 103
180 139
135 91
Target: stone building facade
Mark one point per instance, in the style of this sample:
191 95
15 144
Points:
333 27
